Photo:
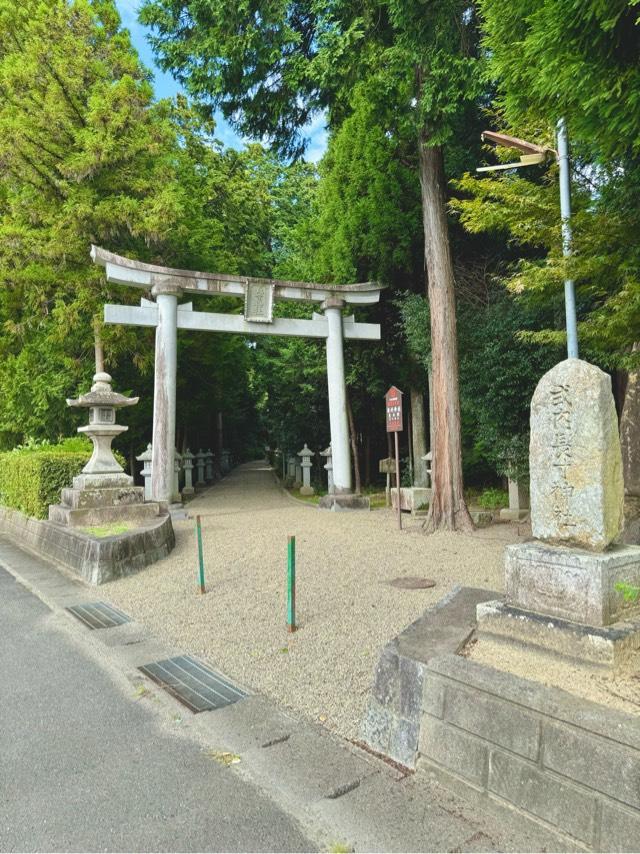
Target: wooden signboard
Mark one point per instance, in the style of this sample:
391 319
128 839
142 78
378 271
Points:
393 399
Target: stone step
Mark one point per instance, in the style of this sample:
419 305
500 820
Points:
107 497
87 517
607 647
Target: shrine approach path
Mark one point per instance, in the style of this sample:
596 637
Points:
346 610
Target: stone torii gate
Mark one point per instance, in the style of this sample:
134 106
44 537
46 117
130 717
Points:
166 285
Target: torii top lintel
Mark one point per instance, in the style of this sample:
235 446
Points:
126 271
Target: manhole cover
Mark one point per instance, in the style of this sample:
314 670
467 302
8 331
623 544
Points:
193 684
99 615
412 582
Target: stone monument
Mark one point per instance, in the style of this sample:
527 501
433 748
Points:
570 571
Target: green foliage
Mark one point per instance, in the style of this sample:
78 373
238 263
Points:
571 58
492 499
604 265
31 481
32 475
576 59
272 65
630 593
108 530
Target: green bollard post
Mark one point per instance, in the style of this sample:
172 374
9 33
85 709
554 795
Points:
200 555
291 584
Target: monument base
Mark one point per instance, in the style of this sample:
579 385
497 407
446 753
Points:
307 490
87 517
609 647
570 583
412 498
344 502
509 515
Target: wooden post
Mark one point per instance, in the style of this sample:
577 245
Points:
398 481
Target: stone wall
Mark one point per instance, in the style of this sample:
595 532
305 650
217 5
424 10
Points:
96 560
560 760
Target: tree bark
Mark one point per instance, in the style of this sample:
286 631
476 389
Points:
630 433
354 448
419 438
448 510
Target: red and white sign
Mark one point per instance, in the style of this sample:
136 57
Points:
394 410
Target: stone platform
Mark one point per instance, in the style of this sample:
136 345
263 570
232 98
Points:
568 764
344 502
608 647
95 559
571 583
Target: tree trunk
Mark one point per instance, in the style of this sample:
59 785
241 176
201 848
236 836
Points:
367 457
419 438
354 447
630 433
448 510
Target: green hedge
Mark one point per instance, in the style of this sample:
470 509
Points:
32 477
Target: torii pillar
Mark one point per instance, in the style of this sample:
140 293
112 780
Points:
164 392
338 420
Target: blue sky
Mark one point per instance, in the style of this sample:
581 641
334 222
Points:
165 86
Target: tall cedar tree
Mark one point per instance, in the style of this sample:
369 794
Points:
270 65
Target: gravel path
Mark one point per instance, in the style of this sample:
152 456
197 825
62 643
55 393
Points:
346 609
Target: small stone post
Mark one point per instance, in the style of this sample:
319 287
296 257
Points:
518 502
200 468
306 454
177 465
145 458
329 469
226 460
208 463
187 464
429 459
291 467
298 480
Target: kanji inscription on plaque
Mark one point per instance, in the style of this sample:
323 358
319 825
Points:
394 410
258 302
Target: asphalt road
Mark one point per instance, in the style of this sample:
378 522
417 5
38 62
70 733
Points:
83 767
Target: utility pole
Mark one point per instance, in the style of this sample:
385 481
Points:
533 154
565 213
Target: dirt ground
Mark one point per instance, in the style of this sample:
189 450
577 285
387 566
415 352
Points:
346 609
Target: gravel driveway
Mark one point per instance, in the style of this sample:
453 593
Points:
346 609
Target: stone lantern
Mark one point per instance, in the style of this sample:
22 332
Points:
102 470
103 492
328 466
306 454
145 458
187 463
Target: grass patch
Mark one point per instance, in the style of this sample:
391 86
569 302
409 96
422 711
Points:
108 530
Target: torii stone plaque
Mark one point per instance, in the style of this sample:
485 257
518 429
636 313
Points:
167 284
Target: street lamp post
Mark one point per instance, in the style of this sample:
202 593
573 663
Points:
531 155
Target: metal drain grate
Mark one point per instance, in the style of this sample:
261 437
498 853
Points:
99 615
193 684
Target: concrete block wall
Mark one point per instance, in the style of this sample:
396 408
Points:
568 763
